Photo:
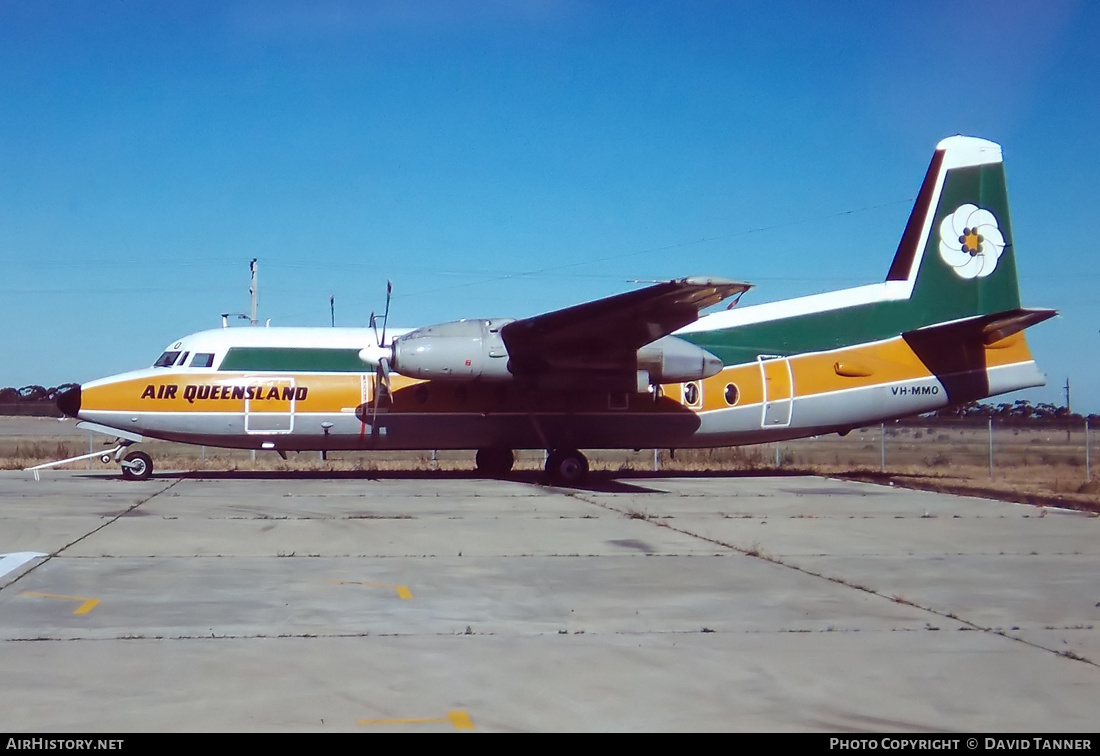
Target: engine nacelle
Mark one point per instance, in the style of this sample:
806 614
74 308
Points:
461 351
673 360
467 350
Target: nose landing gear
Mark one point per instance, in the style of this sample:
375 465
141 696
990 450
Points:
137 466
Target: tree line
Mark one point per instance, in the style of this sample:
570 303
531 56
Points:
31 400
1020 411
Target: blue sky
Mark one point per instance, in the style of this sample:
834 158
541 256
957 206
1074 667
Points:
509 158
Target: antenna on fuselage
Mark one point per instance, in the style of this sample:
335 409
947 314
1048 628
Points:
254 290
226 316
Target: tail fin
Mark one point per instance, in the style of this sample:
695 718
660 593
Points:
957 253
959 262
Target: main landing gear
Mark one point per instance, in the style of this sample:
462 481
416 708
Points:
494 461
564 466
567 466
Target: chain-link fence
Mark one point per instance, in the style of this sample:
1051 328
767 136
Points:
985 443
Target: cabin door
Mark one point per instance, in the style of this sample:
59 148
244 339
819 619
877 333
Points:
269 406
778 381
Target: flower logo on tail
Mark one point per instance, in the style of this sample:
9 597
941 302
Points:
971 242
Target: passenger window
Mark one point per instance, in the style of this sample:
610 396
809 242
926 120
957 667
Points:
203 359
168 359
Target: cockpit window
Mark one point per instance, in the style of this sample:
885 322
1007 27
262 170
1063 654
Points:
183 359
168 359
203 359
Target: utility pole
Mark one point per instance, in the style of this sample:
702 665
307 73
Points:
332 309
254 290
1068 410
991 447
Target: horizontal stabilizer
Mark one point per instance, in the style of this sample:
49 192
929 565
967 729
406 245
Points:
990 328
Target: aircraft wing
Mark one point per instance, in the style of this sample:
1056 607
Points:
605 335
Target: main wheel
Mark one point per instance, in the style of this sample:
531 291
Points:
137 466
566 466
494 461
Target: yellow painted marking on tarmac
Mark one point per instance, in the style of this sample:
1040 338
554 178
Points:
88 605
460 720
403 591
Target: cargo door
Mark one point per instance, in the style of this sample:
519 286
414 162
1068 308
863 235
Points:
778 381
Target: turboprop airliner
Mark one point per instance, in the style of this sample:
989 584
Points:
642 369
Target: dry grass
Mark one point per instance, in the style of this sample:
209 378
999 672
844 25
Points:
1039 467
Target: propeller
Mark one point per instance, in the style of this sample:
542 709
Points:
380 356
377 352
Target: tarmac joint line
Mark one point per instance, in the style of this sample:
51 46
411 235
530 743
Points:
120 515
93 531
757 553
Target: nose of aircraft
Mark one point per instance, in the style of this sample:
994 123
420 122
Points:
68 401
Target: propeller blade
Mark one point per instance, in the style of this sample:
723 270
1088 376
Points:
386 317
381 389
378 351
384 374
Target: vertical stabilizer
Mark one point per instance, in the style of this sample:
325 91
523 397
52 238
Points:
956 252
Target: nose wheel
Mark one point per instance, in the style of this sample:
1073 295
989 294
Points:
566 466
137 466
